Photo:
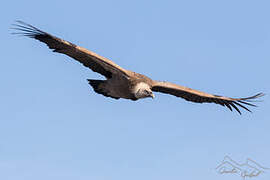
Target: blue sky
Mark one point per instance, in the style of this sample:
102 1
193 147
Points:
53 126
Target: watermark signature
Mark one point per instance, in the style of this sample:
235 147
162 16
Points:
248 169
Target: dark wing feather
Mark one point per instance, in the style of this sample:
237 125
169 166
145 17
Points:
88 58
201 97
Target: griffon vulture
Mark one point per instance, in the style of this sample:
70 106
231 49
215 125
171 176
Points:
122 83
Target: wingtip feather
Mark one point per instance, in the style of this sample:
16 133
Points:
26 29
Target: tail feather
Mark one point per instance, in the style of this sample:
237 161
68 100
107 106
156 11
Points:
97 86
95 83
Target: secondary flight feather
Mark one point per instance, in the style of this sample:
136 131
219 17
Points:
122 83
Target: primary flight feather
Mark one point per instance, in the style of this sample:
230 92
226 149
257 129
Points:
122 83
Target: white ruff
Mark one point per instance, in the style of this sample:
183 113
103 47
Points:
138 89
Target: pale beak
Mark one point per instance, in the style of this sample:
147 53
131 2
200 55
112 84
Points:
152 95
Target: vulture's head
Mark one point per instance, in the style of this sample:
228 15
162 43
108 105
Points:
143 90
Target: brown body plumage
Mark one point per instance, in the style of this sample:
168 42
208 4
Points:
122 83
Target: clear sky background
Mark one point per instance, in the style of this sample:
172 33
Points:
53 126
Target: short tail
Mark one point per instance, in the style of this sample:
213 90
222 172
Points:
97 86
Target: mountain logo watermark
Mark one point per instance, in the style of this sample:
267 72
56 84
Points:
248 169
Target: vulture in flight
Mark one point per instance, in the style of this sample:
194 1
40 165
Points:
122 83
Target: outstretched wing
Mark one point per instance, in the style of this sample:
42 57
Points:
88 58
201 97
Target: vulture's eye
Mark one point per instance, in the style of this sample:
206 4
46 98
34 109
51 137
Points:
146 92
